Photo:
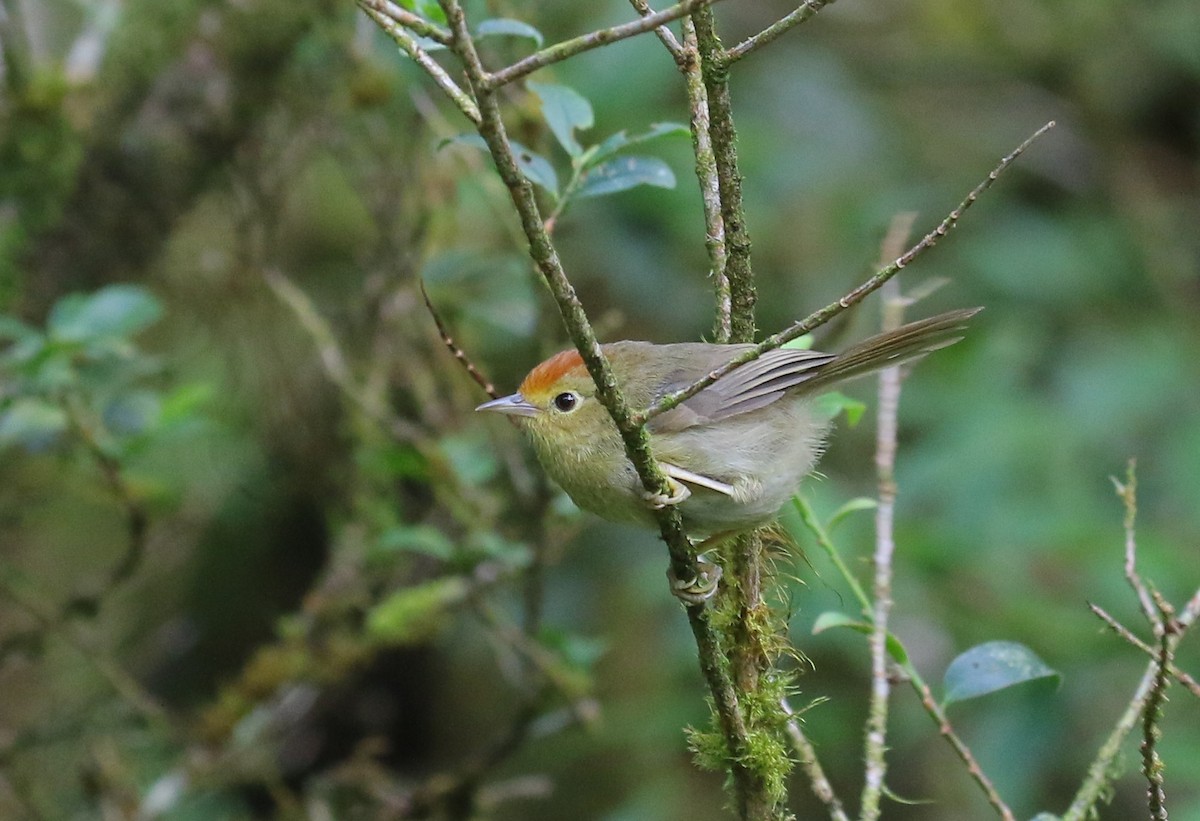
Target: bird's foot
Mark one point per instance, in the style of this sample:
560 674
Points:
701 587
679 492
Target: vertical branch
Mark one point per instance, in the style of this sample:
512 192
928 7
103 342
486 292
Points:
1152 766
885 461
747 788
729 179
710 187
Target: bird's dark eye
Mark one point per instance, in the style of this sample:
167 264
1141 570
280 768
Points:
566 402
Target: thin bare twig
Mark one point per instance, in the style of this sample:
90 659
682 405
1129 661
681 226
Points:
459 354
1124 632
820 317
960 747
885 545
807 754
586 42
669 41
806 10
412 48
1127 491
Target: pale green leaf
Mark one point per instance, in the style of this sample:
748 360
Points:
831 618
623 173
509 27
565 110
992 666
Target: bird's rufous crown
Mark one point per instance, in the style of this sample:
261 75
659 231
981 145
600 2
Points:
544 376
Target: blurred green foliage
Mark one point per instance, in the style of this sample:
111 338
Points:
351 584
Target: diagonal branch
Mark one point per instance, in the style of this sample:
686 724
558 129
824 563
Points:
586 42
421 57
406 18
1124 632
807 10
669 41
820 317
634 436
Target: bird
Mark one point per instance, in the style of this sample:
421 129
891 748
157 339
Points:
733 454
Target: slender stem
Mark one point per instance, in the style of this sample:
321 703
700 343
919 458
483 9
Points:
806 10
807 754
669 41
810 520
1124 632
1127 491
820 317
960 748
742 294
586 42
885 546
431 67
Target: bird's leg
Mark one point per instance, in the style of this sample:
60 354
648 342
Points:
679 492
701 587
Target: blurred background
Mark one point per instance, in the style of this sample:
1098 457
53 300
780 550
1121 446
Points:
260 558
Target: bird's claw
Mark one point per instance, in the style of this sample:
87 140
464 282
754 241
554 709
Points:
699 588
679 492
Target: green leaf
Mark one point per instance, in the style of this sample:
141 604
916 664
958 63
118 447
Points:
113 311
536 168
623 173
852 506
415 613
831 403
31 422
992 666
565 110
417 539
622 140
429 9
511 28
831 618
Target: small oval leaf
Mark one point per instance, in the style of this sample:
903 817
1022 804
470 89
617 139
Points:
992 666
623 173
623 139
831 618
565 110
509 27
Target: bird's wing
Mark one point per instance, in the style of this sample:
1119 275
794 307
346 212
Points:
749 387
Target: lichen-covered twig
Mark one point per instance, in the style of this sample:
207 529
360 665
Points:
1124 632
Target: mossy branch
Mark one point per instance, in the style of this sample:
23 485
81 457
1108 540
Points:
633 434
